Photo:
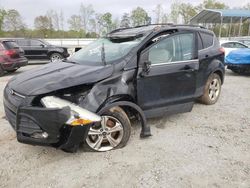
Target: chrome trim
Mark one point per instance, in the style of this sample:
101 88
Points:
12 92
175 62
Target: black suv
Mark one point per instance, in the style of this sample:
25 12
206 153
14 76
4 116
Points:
40 49
91 97
11 57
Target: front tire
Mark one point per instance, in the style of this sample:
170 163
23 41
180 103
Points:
55 57
212 90
112 133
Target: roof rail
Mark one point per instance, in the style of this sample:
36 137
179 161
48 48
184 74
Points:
124 28
190 25
160 24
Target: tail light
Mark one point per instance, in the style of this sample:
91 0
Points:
11 53
222 50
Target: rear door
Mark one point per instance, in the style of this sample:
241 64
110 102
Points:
171 77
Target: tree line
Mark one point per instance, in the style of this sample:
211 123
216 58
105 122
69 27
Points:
88 23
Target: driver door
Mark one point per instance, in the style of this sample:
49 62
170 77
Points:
166 80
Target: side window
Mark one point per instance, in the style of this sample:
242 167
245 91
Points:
1 47
172 49
238 45
226 45
207 39
187 46
23 42
35 43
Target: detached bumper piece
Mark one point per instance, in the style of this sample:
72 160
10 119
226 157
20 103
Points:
59 123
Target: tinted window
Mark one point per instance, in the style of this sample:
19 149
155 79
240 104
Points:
238 45
227 45
35 43
23 42
207 39
1 47
171 49
233 45
10 44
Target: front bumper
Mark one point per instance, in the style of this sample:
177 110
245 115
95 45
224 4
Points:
28 122
239 67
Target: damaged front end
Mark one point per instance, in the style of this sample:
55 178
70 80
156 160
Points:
58 123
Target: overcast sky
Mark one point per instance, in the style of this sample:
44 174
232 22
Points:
29 9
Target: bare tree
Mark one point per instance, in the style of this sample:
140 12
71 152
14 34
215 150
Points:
86 12
158 13
13 21
61 18
43 24
125 21
75 22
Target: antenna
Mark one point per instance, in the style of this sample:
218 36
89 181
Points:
103 55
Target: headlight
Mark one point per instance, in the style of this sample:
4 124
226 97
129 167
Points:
79 115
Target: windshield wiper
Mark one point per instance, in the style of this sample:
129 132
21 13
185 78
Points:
103 55
67 61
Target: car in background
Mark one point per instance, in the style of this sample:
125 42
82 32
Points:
231 45
11 57
40 49
245 41
239 61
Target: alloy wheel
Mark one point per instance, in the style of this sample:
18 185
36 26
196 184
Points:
106 135
214 89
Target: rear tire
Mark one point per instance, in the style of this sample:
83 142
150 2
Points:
212 90
116 135
11 71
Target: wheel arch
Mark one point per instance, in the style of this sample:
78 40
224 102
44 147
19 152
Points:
128 105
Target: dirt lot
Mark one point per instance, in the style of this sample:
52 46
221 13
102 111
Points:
208 147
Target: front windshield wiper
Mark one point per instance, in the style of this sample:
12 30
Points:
103 55
67 61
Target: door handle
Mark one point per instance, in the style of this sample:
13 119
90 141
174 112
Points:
187 68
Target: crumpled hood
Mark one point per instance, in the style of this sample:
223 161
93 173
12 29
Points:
240 56
55 76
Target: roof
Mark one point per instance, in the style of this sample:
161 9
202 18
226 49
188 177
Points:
218 15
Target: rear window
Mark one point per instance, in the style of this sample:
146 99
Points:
10 44
207 39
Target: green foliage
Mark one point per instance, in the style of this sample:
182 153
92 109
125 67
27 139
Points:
187 11
87 23
139 16
2 15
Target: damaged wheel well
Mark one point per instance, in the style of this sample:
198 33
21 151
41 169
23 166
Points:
130 108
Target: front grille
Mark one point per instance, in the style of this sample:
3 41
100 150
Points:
11 103
10 115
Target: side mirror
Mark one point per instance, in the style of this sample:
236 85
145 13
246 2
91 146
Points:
42 45
145 68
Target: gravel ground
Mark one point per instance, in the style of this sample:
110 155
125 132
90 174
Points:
208 147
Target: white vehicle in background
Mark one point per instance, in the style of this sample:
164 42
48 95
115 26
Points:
231 45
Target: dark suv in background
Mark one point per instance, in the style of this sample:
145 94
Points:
40 49
11 56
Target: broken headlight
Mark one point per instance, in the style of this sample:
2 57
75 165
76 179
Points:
79 115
